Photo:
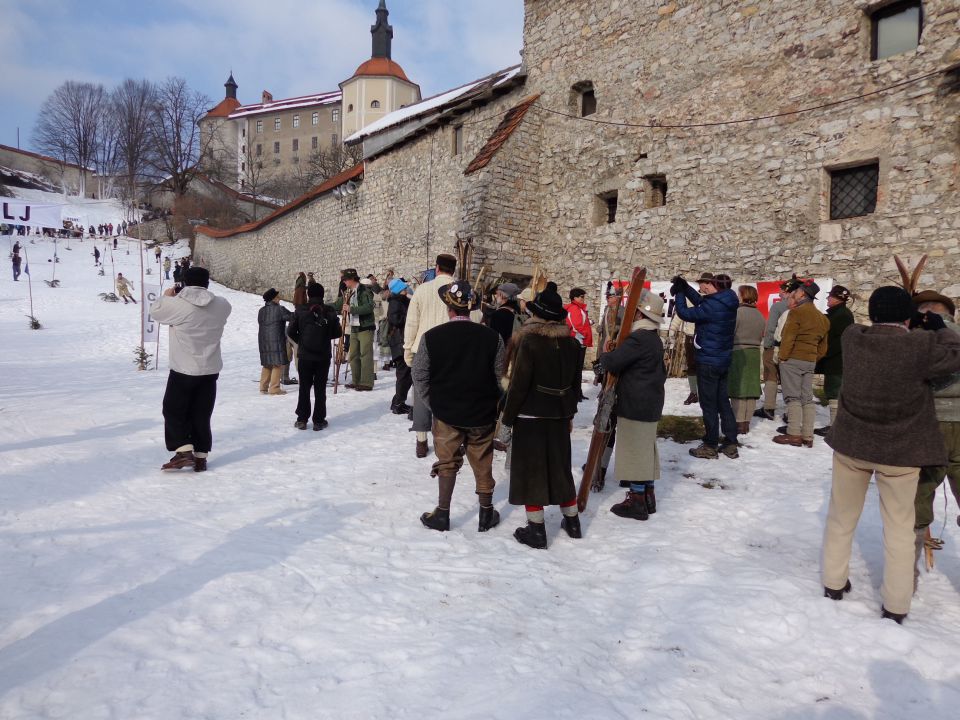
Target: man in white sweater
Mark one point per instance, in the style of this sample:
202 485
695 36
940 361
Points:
196 318
426 311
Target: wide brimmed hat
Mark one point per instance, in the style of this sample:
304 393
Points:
350 274
548 305
706 277
810 288
270 294
651 306
890 304
456 295
933 296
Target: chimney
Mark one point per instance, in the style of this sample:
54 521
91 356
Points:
267 97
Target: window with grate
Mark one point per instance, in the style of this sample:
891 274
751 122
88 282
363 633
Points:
606 213
259 149
853 191
313 142
896 28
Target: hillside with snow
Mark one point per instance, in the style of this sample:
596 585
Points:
294 579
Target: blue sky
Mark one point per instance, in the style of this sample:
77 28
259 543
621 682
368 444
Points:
289 47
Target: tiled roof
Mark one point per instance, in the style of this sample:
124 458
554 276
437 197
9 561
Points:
381 67
224 108
511 121
329 98
352 174
38 156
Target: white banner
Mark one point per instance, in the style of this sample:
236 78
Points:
21 212
151 328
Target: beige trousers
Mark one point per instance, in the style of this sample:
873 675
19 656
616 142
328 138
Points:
898 488
270 379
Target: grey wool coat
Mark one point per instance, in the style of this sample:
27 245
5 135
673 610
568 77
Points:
272 336
886 413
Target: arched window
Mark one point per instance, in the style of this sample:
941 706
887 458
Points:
375 104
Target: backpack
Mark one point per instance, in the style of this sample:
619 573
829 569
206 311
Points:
314 331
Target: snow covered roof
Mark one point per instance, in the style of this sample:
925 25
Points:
435 103
329 98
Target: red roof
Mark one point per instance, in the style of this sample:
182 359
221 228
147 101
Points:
511 121
381 67
352 174
224 108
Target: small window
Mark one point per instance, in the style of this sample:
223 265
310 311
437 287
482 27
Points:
334 139
458 140
243 184
259 149
243 167
315 119
243 132
296 121
259 126
335 115
276 148
896 28
313 142
607 208
588 103
276 123
296 144
350 107
243 148
656 191
375 104
853 191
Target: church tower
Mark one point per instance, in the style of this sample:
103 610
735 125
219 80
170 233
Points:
379 86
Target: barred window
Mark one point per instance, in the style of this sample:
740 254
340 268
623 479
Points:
853 191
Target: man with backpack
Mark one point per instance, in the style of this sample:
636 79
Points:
313 327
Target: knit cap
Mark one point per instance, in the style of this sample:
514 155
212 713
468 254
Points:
890 304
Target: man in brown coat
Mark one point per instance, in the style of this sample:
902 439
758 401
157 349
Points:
886 426
803 342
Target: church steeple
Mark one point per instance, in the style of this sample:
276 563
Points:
382 33
231 86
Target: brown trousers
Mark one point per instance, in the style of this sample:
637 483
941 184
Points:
771 378
447 440
898 488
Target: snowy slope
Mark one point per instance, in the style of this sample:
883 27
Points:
294 580
88 212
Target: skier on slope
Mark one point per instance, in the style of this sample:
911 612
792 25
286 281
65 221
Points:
124 286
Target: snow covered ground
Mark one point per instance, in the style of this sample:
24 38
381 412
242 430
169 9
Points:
294 580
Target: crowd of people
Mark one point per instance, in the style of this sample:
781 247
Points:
505 375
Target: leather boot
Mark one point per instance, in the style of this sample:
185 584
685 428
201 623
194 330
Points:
489 518
633 506
422 448
571 524
534 535
837 594
200 464
180 460
650 497
439 519
692 399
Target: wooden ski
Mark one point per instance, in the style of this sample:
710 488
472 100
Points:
601 421
338 355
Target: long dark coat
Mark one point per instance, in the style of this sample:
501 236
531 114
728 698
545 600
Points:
396 319
840 319
544 389
271 336
641 376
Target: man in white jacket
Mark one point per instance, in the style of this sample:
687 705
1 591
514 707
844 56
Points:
425 312
196 318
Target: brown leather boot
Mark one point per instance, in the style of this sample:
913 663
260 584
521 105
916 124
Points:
422 448
180 460
794 440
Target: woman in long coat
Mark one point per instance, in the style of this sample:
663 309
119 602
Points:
272 338
641 375
539 407
743 382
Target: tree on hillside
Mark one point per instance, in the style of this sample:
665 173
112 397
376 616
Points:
174 132
70 125
327 162
130 105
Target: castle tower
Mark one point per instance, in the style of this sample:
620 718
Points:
379 86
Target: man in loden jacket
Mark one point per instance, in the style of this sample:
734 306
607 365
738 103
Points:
425 312
196 318
362 326
714 312
886 427
802 343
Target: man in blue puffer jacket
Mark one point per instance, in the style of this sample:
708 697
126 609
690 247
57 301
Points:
714 312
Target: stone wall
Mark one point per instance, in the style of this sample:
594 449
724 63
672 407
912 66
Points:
751 199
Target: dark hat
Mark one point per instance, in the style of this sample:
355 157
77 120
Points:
706 277
890 304
790 285
839 292
722 282
350 274
933 296
548 304
196 277
510 290
315 290
456 295
810 288
577 292
270 294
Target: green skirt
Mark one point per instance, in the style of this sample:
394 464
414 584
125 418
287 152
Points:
744 378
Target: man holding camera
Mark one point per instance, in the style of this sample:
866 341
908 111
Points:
196 318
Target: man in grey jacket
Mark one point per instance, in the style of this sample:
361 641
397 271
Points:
196 318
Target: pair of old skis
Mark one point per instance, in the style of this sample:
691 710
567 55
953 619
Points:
601 421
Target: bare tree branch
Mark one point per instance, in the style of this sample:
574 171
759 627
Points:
175 140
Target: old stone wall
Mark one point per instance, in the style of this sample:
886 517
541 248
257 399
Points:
751 199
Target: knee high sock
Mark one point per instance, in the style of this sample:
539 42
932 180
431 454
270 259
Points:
421 436
569 509
534 513
485 499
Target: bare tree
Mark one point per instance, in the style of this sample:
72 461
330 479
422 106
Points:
70 125
130 105
327 162
252 178
174 130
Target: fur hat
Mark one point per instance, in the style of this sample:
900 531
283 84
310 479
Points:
933 296
890 304
548 304
397 286
651 306
456 295
196 277
315 290
270 294
510 290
